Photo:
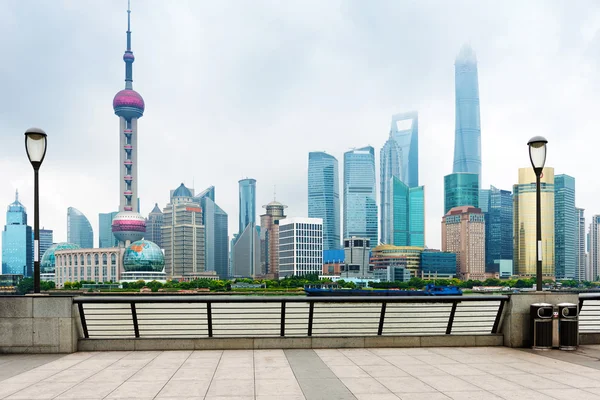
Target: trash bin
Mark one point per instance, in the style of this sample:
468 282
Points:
541 326
568 326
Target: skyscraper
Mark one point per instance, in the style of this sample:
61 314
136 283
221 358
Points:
463 233
154 224
497 207
390 159
405 131
247 203
79 229
405 224
461 189
360 204
128 226
467 139
324 196
594 249
581 239
565 227
269 237
215 221
245 252
17 241
46 240
524 223
183 235
106 239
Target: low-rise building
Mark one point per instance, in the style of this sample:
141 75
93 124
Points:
438 264
408 257
300 246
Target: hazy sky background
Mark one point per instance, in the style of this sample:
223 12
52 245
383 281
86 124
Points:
243 88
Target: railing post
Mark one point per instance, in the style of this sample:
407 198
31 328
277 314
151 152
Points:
209 319
498 316
83 322
282 328
136 327
311 312
381 318
451 318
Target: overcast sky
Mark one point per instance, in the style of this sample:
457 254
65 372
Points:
244 88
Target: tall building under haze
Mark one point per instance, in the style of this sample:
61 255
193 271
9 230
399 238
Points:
128 225
524 223
463 233
405 132
324 196
79 229
216 244
46 240
17 241
154 224
581 239
467 139
360 204
594 249
247 203
565 227
106 239
461 189
245 251
183 235
497 207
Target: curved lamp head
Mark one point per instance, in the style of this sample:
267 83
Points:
35 144
537 153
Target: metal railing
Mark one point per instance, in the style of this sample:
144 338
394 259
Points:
214 317
589 312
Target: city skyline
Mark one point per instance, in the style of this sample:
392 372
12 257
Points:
361 114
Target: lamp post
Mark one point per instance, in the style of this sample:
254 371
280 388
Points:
537 155
35 145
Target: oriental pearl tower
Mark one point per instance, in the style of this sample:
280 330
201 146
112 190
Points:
128 225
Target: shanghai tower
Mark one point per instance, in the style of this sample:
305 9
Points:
467 140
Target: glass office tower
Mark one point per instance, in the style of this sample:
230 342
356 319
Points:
581 238
247 203
106 238
497 207
406 215
17 241
216 244
565 227
524 223
467 140
461 189
324 196
360 204
405 131
79 229
46 240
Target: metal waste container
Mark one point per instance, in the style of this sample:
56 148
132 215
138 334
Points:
541 326
568 326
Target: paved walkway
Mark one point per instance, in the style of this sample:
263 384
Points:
363 374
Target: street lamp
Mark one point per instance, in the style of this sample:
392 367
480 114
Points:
537 155
35 145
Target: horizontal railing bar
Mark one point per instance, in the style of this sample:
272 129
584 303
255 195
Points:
279 299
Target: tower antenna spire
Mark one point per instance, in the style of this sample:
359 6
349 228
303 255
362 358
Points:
17 195
128 56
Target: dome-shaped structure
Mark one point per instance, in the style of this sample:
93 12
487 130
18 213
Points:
143 256
129 104
182 191
48 262
128 225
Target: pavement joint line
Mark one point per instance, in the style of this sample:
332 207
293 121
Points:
129 352
169 380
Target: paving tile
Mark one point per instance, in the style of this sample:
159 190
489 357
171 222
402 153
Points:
273 373
381 396
193 374
423 370
87 390
107 375
182 389
497 369
524 394
533 368
229 398
473 395
570 379
461 369
348 371
423 396
231 387
277 387
243 373
449 383
6 389
534 382
436 359
137 390
287 397
406 385
200 363
570 394
491 382
364 385
325 389
402 360
152 375
383 371
42 390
